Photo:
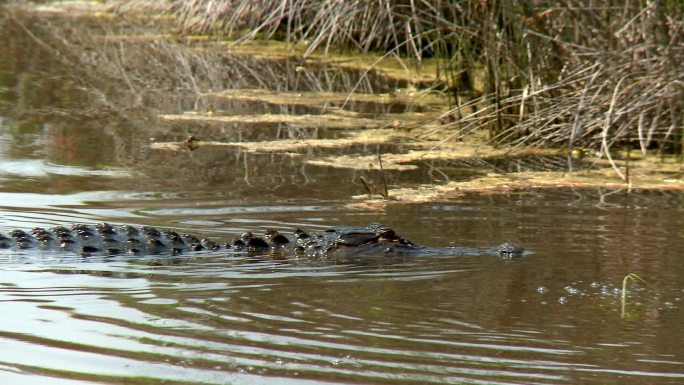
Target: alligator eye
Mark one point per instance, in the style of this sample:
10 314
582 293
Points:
387 233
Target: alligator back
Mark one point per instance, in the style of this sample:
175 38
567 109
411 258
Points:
340 243
103 239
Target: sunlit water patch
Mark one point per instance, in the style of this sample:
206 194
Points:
32 168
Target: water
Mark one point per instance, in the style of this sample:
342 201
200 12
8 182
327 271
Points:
551 317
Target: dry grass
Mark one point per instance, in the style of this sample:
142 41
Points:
361 25
562 73
570 74
618 81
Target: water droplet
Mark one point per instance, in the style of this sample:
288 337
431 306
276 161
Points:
542 290
562 300
595 284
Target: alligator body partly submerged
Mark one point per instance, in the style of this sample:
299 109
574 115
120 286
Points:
339 243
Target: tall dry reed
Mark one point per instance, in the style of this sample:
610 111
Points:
562 73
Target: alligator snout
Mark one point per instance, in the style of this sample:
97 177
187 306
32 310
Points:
510 250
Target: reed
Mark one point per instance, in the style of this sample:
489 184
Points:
623 297
596 86
361 25
563 73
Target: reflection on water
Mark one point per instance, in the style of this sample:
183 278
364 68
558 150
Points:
69 154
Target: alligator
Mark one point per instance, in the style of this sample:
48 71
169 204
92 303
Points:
345 243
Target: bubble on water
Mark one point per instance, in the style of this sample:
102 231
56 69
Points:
571 290
542 290
609 291
544 303
563 300
595 284
669 305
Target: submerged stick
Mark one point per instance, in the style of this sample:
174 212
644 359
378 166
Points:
383 180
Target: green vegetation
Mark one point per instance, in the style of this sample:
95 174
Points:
569 73
629 277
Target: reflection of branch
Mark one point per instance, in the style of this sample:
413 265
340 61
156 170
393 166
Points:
119 61
41 43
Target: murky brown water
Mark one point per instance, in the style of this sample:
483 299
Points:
552 317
